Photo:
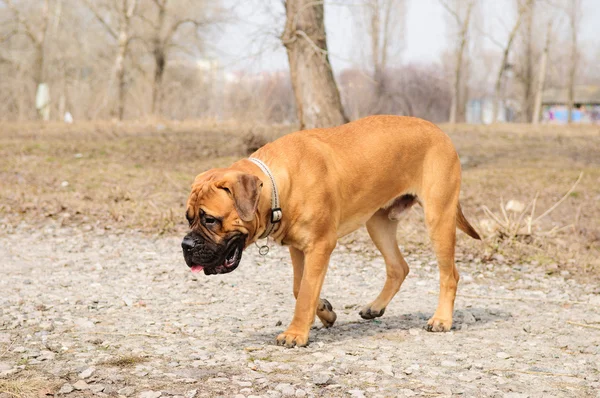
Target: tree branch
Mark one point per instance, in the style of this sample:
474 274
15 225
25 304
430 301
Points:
102 21
451 11
28 30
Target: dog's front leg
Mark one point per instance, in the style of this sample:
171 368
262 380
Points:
316 260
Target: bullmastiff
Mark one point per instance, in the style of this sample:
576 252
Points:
308 189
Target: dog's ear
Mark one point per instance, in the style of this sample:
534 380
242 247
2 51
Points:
245 191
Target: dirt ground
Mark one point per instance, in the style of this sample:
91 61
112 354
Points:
96 299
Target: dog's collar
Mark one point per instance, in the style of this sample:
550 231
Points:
276 213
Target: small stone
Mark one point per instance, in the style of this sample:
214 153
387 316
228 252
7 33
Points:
356 393
96 388
408 371
191 394
47 326
150 394
127 391
468 318
503 355
286 389
64 184
387 369
65 389
128 301
81 385
239 396
218 380
4 366
414 332
84 323
87 373
244 383
300 393
498 257
450 364
321 379
405 392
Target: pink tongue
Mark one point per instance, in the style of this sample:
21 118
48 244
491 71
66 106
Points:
197 268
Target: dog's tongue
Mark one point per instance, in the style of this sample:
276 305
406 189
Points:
197 268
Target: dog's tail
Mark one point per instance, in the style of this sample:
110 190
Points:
463 224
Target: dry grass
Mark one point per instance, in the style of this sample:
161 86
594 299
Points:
125 361
124 176
110 175
26 387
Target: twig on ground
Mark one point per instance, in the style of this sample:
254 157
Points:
561 199
129 334
530 372
7 349
583 325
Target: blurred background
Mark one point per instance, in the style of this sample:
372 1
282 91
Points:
474 61
109 108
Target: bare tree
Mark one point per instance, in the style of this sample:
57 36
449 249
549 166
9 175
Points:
541 77
124 10
317 97
524 68
386 31
574 14
170 18
521 11
462 17
37 36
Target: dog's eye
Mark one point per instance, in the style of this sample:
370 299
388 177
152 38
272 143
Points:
208 220
189 219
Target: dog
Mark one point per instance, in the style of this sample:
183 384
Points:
308 189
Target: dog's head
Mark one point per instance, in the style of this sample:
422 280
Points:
221 211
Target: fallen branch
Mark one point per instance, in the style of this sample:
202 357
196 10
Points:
7 349
560 201
583 325
530 372
128 335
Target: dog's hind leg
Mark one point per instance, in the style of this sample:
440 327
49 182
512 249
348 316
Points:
324 309
440 205
382 231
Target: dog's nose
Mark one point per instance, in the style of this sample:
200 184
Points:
187 243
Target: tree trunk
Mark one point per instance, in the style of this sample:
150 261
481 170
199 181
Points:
528 73
160 59
317 97
121 76
573 19
458 69
541 79
123 43
159 70
511 38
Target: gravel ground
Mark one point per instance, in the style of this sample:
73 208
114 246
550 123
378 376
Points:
98 313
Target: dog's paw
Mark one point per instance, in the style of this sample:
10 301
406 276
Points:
326 314
292 339
369 313
439 325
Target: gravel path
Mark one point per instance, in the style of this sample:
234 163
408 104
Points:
105 314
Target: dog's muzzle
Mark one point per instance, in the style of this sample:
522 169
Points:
201 254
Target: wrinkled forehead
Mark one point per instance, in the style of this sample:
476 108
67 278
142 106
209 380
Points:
206 195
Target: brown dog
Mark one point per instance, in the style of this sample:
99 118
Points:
329 183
